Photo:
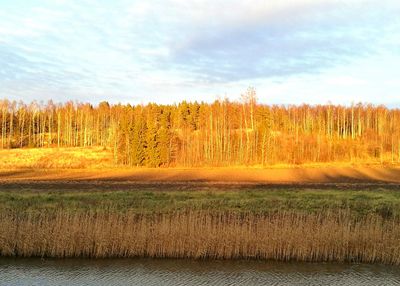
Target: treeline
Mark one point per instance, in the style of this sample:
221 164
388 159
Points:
201 134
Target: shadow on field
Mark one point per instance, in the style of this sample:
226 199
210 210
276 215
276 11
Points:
191 179
232 175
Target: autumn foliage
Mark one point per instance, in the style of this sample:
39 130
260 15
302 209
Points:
222 133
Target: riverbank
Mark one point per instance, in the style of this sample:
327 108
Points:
216 222
284 236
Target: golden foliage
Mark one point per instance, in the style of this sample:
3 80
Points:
221 133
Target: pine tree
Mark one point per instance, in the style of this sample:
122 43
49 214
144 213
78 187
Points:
165 137
153 153
138 141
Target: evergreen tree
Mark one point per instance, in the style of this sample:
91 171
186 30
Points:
138 141
165 137
153 154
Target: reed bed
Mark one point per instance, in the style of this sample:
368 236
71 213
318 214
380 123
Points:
329 236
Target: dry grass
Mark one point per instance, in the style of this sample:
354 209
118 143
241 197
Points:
201 234
76 163
95 157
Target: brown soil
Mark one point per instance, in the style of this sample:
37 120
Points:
222 176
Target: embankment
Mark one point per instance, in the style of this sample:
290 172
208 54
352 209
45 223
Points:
243 223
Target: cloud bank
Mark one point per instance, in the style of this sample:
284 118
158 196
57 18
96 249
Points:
166 51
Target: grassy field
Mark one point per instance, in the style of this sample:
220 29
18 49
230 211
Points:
66 157
250 199
69 203
97 164
222 222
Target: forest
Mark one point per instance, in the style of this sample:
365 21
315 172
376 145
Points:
222 133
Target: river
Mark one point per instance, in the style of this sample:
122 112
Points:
189 272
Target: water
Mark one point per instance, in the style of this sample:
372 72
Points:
190 272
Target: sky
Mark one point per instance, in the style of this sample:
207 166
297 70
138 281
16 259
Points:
166 51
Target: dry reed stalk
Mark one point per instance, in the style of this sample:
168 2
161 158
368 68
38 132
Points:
200 234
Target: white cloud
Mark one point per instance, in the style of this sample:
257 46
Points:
159 50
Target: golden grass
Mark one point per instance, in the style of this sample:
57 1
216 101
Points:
77 163
201 234
77 157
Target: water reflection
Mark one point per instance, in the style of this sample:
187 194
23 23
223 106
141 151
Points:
190 272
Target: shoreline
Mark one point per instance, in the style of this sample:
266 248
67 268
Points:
329 225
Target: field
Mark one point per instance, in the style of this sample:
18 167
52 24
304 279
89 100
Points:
169 198
309 213
96 163
200 220
55 158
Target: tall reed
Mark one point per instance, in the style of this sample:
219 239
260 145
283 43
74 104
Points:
203 234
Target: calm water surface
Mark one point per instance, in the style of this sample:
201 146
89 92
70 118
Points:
189 272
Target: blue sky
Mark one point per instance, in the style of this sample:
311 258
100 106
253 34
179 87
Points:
166 51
